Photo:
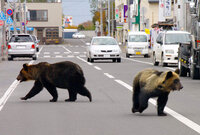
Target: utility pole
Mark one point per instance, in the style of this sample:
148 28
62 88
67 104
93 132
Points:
3 40
20 16
108 18
25 30
14 18
112 7
101 18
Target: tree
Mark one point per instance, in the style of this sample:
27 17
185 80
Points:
81 27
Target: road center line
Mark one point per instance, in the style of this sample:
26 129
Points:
109 76
174 114
98 68
10 90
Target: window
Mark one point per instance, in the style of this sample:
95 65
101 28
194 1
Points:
38 15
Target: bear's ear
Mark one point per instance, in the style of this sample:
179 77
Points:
25 66
177 71
169 75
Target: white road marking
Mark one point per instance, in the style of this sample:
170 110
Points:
56 52
46 52
10 90
76 52
109 76
59 56
174 114
46 56
70 56
84 61
66 49
82 56
98 68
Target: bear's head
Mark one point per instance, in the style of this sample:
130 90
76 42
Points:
25 73
171 81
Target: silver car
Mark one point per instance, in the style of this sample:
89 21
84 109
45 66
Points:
21 45
103 48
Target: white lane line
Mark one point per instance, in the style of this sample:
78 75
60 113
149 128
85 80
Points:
46 56
174 114
82 56
39 52
56 52
46 52
84 61
76 52
66 49
109 76
148 63
70 56
98 68
59 56
10 90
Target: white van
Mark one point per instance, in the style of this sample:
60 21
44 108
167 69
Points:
137 44
165 49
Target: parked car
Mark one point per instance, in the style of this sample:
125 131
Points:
165 50
137 43
103 47
21 45
78 35
36 42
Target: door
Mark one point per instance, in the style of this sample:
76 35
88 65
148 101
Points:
40 35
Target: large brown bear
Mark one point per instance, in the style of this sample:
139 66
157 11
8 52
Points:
67 75
152 83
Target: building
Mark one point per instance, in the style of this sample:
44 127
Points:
44 20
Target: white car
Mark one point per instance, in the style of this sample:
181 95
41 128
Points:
165 50
78 35
103 47
21 45
137 43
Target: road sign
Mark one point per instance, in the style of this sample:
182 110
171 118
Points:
1 23
9 20
9 12
2 16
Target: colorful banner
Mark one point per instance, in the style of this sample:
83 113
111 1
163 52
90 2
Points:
167 8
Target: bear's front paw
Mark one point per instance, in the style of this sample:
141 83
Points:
23 98
69 100
162 114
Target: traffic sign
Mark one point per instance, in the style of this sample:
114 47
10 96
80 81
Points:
9 20
1 23
9 12
2 16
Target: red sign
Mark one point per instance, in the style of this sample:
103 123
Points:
9 12
1 23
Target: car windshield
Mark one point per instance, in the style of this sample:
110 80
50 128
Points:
104 41
176 38
21 38
137 38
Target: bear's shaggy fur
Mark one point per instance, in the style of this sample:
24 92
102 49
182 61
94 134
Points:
152 83
66 75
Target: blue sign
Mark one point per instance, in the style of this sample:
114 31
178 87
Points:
9 20
18 29
2 16
9 12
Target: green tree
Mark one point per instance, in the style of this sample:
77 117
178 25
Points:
81 27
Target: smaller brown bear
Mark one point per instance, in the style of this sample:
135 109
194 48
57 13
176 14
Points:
151 83
66 75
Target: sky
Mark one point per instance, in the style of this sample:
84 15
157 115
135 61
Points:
78 9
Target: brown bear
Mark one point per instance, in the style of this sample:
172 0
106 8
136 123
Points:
66 75
151 83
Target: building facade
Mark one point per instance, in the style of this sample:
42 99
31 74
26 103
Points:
44 20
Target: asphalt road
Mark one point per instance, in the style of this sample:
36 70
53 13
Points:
110 111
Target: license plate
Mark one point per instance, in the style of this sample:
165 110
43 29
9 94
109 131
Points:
107 55
21 46
138 53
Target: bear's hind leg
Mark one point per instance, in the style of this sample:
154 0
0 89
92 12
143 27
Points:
161 103
84 92
72 95
135 101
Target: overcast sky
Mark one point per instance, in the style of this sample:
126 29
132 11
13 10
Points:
78 9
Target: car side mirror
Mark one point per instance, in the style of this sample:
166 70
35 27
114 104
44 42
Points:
159 42
87 44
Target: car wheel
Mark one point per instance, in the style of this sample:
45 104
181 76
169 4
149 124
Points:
91 60
155 63
114 60
34 57
88 59
127 55
119 60
183 70
194 71
162 63
10 58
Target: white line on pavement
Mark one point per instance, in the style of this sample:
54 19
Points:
10 90
109 76
98 68
84 61
66 49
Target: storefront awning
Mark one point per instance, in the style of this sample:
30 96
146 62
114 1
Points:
18 29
